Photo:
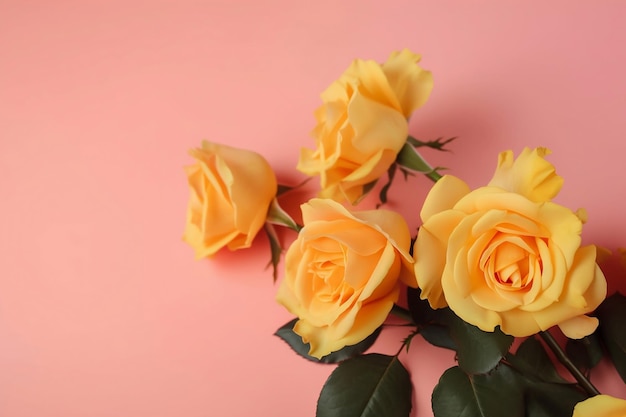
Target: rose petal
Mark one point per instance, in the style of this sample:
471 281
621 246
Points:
529 175
600 405
411 84
429 252
443 196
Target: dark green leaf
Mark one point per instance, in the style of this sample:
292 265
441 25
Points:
585 353
439 336
478 351
612 329
371 385
546 393
429 321
490 395
531 358
295 342
551 400
421 311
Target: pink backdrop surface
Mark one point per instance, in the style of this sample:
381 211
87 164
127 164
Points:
103 310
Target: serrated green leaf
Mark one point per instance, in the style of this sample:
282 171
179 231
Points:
490 395
371 385
429 321
478 351
531 358
287 334
612 330
551 400
546 399
585 353
438 336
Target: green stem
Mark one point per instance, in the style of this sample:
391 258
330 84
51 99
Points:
434 176
402 313
565 360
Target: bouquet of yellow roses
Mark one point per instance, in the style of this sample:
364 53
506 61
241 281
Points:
492 274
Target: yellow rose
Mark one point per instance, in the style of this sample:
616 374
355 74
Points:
230 192
601 406
505 255
343 273
362 124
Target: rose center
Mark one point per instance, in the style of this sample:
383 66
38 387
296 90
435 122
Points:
511 262
329 269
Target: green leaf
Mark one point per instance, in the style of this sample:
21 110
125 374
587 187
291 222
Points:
478 351
544 399
371 385
287 334
421 311
439 336
429 321
531 358
612 329
490 395
551 400
585 353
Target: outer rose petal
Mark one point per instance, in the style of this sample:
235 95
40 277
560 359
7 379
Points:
443 196
529 175
411 83
429 252
600 406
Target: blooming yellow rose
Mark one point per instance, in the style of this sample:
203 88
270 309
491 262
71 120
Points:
343 273
505 255
601 406
362 124
230 192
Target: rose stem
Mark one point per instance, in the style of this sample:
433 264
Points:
565 360
402 313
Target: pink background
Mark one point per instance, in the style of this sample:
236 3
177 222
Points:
104 312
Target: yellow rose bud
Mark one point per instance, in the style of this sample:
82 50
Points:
230 192
362 123
343 273
505 255
600 406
